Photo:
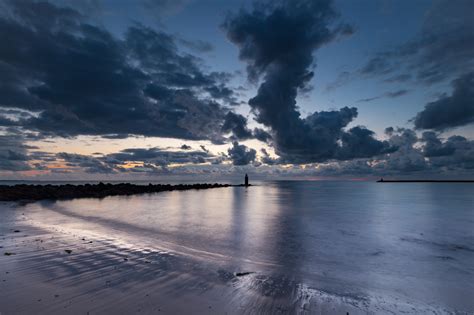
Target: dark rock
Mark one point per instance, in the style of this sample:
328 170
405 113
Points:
25 192
68 251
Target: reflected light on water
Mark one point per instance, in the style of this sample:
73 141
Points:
336 236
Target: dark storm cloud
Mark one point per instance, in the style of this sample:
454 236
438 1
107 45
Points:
83 80
241 155
12 157
15 115
222 92
14 153
277 42
428 154
41 156
456 152
443 48
434 146
450 111
359 142
406 158
144 160
282 31
461 158
266 158
87 163
160 156
146 168
4 121
262 135
237 125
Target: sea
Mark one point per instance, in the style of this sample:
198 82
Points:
390 247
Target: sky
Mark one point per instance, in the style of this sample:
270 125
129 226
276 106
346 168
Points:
209 90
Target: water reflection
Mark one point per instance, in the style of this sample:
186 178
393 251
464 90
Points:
239 209
416 239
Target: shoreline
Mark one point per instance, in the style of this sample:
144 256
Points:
26 192
234 251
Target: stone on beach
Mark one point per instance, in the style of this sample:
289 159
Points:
68 191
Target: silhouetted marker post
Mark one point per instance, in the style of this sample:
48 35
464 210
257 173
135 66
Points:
246 180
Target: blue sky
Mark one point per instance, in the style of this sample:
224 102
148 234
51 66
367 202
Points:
378 25
184 70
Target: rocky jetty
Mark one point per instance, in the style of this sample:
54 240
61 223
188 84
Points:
39 192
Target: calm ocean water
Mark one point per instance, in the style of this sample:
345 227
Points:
359 239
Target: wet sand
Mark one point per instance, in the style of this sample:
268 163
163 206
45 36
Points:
100 276
48 269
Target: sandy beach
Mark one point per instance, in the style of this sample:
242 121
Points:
50 270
